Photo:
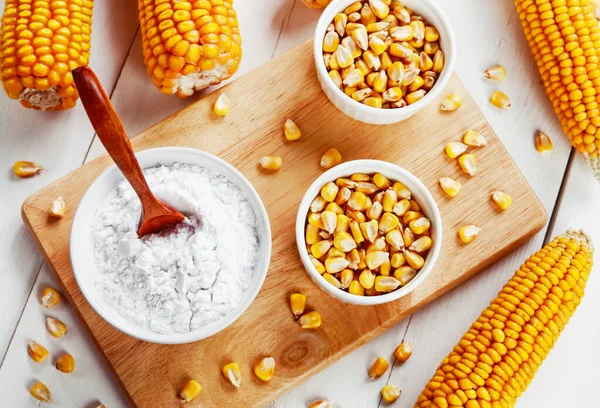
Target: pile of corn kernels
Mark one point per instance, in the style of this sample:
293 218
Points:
367 235
382 54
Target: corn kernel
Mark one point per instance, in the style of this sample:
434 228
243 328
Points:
415 96
25 169
346 277
357 201
467 233
405 274
414 206
390 393
451 103
55 327
320 248
375 259
336 264
378 368
272 163
386 284
422 244
474 139
231 372
413 259
311 320
221 106
455 149
331 158
374 102
378 245
438 61
57 208
497 72
342 224
401 207
297 304
367 279
543 143
450 186
468 164
329 191
356 288
291 130
408 236
40 392
420 225
500 100
403 351
190 391
502 200
321 404
394 238
356 231
344 241
375 211
388 222
397 260
37 352
317 264
339 21
65 363
411 215
381 181
50 297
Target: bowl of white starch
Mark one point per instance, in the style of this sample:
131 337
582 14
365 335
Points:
183 284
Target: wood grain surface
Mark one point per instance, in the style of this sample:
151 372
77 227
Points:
260 103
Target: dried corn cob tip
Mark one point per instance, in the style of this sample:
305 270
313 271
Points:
321 404
265 369
455 149
468 164
500 100
55 327
297 304
291 130
26 169
467 233
502 200
65 363
37 352
40 392
378 368
50 297
221 106
190 391
474 139
231 372
331 158
390 393
57 208
403 351
310 320
272 163
450 186
451 103
498 72
543 143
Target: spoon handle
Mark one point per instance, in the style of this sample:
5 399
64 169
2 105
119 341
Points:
110 130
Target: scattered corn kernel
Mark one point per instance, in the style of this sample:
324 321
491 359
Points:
450 186
321 404
221 106
390 393
403 351
65 363
468 164
455 149
378 368
25 169
37 352
50 297
231 372
474 139
55 327
190 391
543 143
272 163
496 72
265 369
451 103
467 233
291 130
500 100
57 208
502 200
297 304
331 158
40 392
310 320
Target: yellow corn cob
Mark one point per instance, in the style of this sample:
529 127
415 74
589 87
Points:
564 40
41 43
496 359
189 45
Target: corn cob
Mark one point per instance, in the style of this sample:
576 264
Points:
189 45
496 359
564 38
41 43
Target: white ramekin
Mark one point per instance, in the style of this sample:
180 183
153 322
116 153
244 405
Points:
82 249
356 110
419 192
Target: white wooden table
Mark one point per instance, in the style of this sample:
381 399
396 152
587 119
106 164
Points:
488 32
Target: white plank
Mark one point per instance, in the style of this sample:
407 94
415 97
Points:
59 142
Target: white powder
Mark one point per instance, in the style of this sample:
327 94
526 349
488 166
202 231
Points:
185 277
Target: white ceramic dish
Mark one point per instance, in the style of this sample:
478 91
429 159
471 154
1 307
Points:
82 251
420 193
356 110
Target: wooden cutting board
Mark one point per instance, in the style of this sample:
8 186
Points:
261 101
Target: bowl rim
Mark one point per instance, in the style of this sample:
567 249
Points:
449 47
80 264
369 166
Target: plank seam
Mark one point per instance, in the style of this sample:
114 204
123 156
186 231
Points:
559 198
284 25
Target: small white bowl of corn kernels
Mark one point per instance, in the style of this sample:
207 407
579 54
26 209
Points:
368 232
382 61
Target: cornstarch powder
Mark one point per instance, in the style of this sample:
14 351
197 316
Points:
185 277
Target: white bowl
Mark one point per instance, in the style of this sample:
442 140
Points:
419 192
82 250
359 111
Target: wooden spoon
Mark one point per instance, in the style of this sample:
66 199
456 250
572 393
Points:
156 215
